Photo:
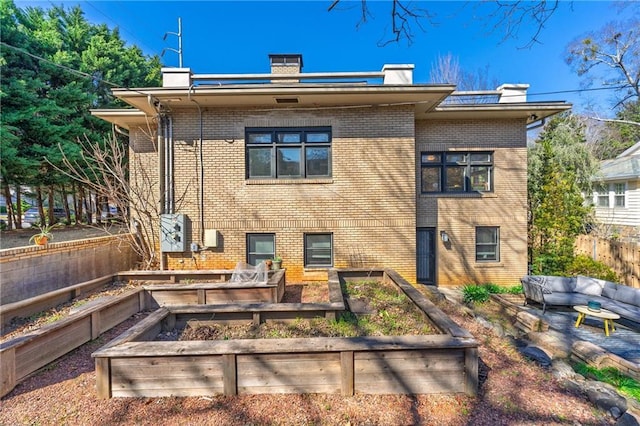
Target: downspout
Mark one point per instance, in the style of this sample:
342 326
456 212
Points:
170 181
201 166
161 169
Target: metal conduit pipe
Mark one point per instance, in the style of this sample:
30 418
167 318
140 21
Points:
161 169
201 169
172 203
165 187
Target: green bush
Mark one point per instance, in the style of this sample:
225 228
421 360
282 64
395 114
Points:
584 265
473 293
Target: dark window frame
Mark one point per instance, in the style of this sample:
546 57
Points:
278 145
307 248
251 256
443 162
481 253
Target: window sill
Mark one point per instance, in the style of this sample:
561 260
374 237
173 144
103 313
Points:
489 265
288 181
317 268
459 195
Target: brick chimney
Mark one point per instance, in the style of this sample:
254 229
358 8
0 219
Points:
285 63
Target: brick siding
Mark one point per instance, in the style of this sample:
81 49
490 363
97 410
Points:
372 203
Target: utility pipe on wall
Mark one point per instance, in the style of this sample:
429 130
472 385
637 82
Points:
201 166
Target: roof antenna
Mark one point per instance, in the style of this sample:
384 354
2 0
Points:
179 34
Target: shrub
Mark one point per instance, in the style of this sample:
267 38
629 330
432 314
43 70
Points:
584 265
473 293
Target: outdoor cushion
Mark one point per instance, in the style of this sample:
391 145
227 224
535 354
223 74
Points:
568 299
626 311
628 295
588 285
561 284
609 289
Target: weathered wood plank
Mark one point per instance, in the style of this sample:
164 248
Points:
347 370
471 371
180 376
289 373
398 382
146 328
229 374
294 345
7 370
114 313
38 353
103 378
435 315
41 302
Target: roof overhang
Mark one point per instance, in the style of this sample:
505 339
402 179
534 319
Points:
285 96
125 118
531 111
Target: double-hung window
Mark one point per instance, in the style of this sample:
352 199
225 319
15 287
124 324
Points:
619 191
288 153
602 194
318 250
487 244
260 247
456 172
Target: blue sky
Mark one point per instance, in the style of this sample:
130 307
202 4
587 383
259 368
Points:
236 37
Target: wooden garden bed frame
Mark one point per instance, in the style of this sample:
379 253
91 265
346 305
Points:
135 365
23 355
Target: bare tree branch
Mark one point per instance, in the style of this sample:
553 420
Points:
512 16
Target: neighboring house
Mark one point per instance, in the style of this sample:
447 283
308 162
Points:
617 195
336 170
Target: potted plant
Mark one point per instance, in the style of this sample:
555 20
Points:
276 263
42 237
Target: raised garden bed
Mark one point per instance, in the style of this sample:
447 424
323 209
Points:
24 354
136 365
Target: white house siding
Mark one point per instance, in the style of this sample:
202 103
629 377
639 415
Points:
623 216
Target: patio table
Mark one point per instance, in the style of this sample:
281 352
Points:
605 315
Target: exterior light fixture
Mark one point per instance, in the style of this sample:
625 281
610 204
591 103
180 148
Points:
444 236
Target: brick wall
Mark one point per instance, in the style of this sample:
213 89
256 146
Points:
458 215
368 203
34 270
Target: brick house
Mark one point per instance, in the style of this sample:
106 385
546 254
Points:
336 170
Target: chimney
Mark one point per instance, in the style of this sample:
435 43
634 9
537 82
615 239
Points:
287 63
512 93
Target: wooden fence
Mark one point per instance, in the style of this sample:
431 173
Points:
623 258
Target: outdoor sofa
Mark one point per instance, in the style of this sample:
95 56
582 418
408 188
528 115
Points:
580 290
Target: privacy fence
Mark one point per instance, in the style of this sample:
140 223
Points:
622 257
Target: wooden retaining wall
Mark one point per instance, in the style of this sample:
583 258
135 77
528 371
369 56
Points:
24 355
440 363
25 308
215 292
372 365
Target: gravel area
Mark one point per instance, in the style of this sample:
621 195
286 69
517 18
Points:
513 391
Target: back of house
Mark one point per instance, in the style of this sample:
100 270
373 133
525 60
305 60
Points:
337 169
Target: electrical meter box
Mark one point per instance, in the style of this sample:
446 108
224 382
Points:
173 233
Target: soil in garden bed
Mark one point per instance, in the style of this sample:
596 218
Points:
381 309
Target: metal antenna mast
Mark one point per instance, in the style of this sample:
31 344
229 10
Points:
179 34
